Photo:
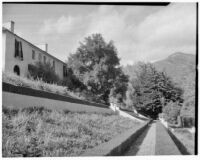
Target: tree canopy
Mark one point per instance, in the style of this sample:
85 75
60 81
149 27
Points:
96 64
151 90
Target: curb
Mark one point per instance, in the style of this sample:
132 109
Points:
117 145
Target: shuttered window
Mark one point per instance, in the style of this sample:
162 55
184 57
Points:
64 71
53 64
18 50
44 59
39 57
33 54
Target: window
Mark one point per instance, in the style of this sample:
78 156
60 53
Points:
18 50
16 70
39 57
33 54
53 64
44 59
64 71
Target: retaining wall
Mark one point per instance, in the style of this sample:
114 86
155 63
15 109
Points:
117 145
21 97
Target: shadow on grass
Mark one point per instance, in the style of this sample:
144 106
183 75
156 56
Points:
135 146
179 144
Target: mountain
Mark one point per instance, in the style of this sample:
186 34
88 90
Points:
181 68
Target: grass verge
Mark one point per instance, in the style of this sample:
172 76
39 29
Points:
186 138
39 132
12 78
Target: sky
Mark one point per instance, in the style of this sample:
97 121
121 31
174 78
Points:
140 33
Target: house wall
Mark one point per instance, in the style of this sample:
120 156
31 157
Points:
9 61
3 50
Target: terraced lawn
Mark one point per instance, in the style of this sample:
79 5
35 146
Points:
36 131
186 138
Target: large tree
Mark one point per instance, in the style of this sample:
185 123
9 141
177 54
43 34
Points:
153 90
96 64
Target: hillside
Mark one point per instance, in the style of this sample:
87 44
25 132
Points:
181 68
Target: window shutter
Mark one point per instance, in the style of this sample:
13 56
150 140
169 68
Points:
16 48
21 51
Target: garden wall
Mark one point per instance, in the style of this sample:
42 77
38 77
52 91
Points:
23 97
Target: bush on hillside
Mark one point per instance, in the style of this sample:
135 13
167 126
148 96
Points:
171 111
72 82
38 84
44 71
188 122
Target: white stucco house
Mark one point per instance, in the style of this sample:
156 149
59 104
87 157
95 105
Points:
18 53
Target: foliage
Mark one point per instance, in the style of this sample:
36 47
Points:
182 69
96 64
187 121
152 90
44 71
171 112
71 81
118 92
36 131
38 84
188 108
130 98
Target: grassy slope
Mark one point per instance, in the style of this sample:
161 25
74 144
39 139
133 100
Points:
11 78
40 132
186 138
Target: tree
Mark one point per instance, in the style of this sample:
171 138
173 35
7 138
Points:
72 82
153 90
96 64
171 112
118 92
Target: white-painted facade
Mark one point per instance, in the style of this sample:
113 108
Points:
31 54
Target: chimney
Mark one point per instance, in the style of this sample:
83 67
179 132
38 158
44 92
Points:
44 47
10 26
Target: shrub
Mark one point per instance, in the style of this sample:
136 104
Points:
71 81
43 71
171 112
38 84
188 121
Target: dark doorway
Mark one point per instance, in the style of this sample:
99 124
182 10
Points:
17 70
